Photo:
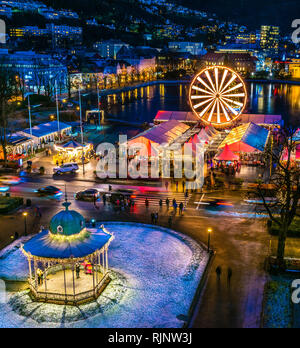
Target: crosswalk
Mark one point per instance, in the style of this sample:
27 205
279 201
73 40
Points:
154 198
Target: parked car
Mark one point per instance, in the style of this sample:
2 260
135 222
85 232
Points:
66 168
87 195
49 191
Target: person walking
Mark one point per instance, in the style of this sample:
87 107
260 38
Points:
152 218
77 270
167 185
175 206
155 218
160 203
181 208
229 275
167 203
219 272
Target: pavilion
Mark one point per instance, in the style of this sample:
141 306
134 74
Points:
71 151
55 257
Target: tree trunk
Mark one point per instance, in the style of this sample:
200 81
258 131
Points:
4 135
281 246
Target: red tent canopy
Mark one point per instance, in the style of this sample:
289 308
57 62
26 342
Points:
227 155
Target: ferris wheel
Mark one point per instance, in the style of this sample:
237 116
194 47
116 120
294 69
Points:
218 96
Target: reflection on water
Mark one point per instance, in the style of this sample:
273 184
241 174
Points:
142 104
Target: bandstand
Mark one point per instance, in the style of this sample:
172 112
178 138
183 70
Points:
68 264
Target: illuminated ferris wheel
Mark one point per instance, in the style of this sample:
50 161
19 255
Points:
218 96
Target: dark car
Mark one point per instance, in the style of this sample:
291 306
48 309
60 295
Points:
49 191
87 195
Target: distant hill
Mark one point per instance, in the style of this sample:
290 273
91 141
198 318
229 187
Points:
251 13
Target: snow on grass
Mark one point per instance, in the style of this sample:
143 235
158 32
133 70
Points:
162 269
277 306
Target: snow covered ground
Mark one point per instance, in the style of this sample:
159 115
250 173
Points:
159 271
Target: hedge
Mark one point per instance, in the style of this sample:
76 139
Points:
8 204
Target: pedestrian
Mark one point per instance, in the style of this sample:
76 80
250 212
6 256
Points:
147 202
186 195
109 188
183 185
16 235
167 203
39 274
167 185
160 203
152 218
77 270
104 199
57 163
219 272
181 208
175 206
155 218
229 275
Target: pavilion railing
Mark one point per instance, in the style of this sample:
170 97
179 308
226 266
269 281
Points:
69 298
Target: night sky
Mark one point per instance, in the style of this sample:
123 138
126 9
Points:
253 13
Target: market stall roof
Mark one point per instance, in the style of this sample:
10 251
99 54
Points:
190 117
45 129
261 119
246 138
226 155
17 139
163 133
181 116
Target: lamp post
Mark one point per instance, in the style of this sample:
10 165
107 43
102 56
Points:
25 214
209 231
57 109
81 128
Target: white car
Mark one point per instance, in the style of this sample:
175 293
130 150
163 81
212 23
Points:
66 168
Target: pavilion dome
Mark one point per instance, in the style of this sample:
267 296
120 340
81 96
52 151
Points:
67 222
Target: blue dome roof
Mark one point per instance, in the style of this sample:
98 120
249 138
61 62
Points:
67 222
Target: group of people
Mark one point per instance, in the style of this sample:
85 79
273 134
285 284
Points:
219 273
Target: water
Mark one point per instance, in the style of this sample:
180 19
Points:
142 104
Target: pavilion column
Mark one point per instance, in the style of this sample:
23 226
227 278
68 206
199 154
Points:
73 266
45 276
106 260
30 271
64 269
97 266
93 270
35 274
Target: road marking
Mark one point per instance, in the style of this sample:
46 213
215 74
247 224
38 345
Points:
201 199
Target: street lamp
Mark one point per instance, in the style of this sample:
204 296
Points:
25 214
209 231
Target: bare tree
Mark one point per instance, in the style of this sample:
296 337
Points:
8 91
284 186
